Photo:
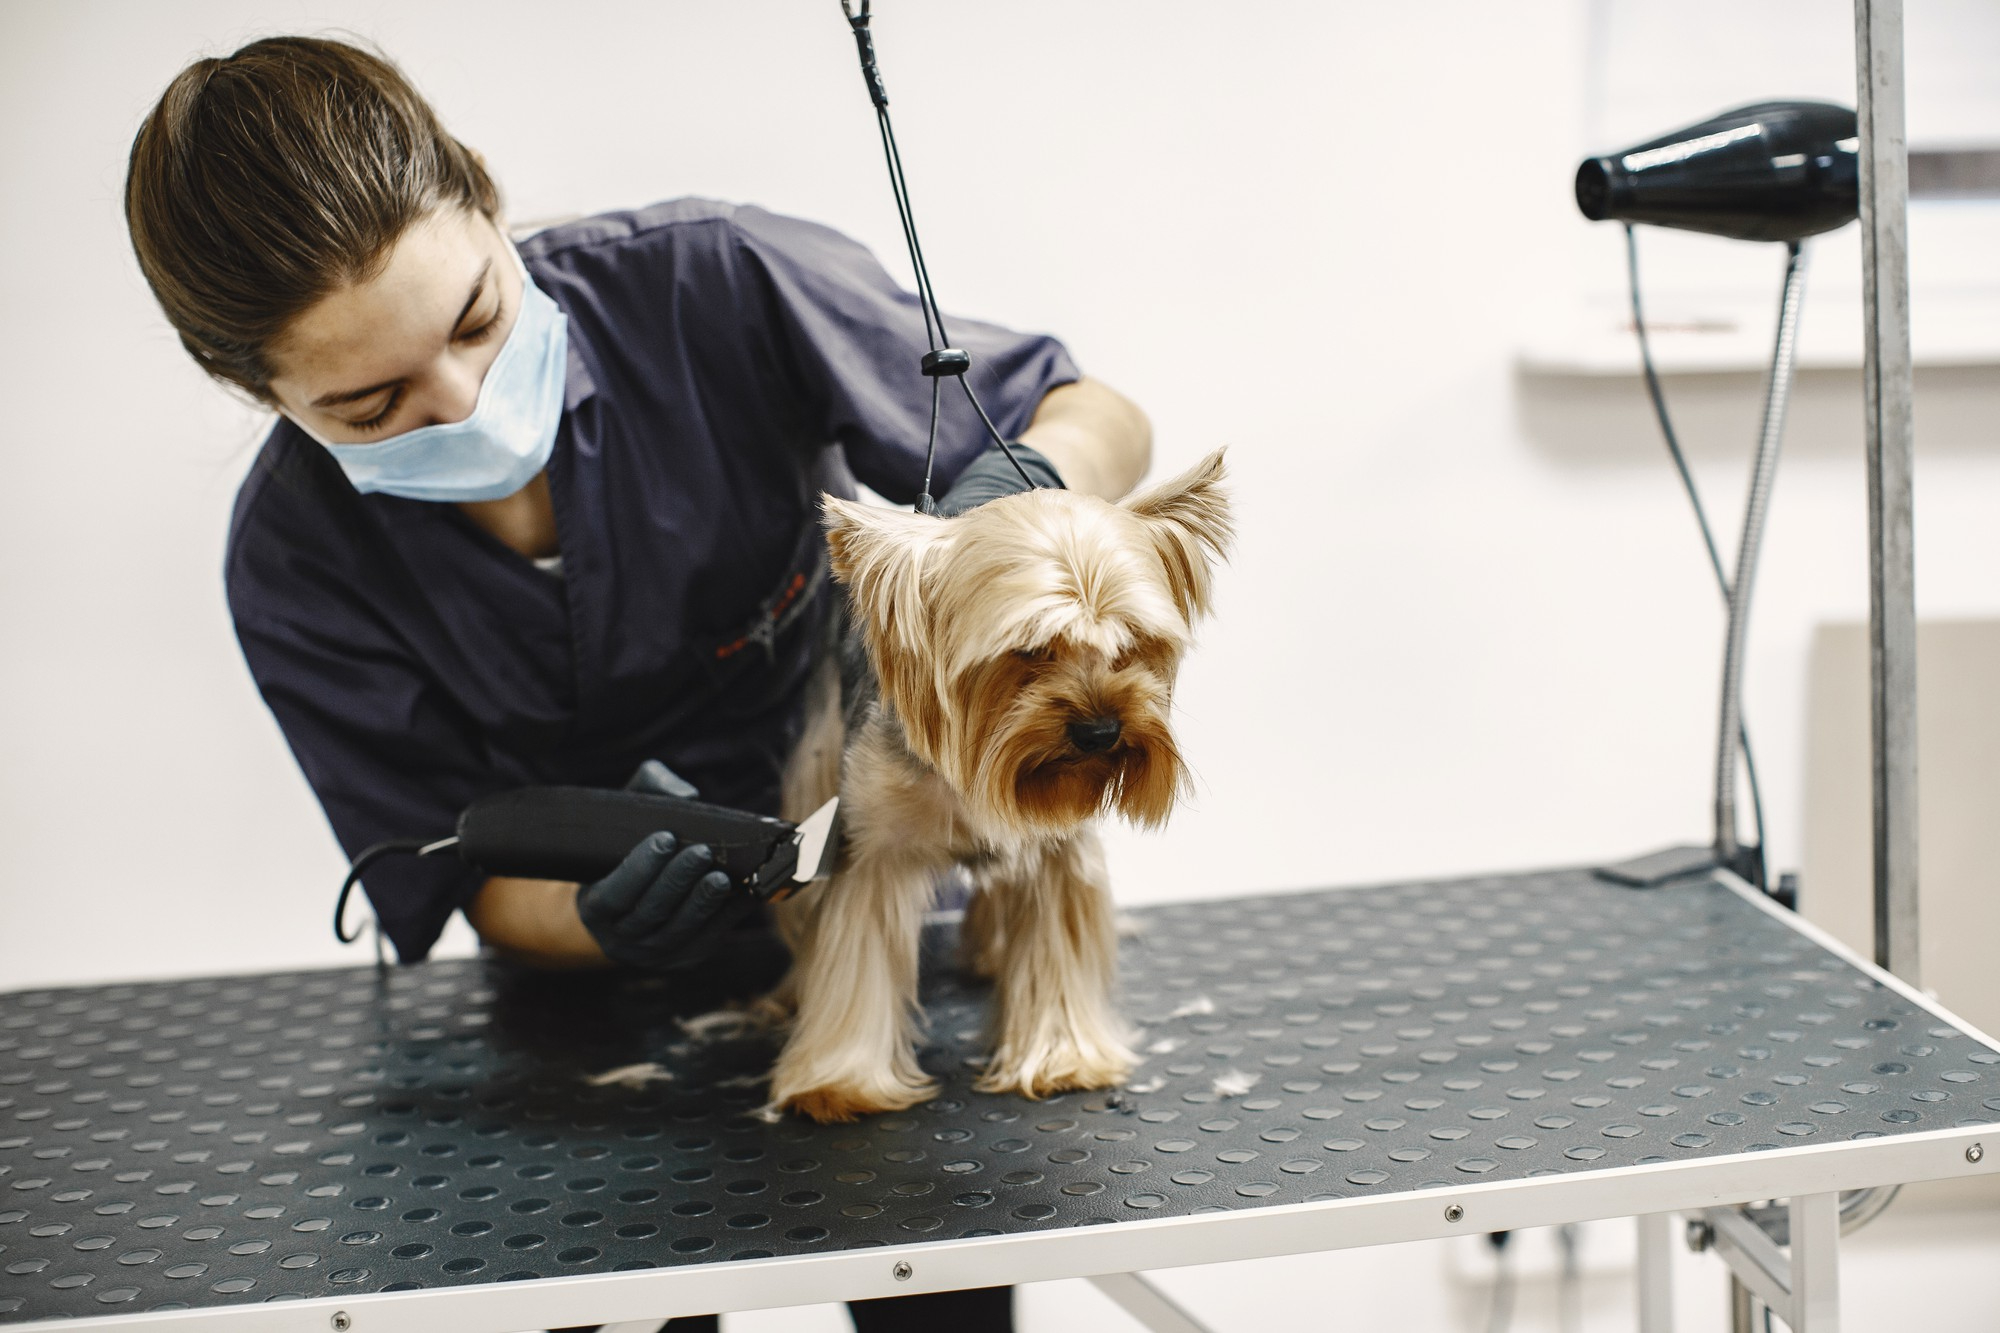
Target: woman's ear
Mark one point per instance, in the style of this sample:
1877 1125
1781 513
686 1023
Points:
1188 518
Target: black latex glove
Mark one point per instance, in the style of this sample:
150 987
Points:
655 777
665 906
990 476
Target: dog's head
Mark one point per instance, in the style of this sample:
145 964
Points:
1029 647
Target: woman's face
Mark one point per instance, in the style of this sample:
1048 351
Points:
409 346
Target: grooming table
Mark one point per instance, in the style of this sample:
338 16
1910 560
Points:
418 1148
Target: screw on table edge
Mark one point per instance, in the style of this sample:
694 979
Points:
341 1321
1453 1212
902 1271
1974 1153
1700 1235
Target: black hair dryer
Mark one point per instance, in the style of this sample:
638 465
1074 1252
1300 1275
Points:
1775 171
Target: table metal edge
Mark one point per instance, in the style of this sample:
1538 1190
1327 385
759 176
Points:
1075 1252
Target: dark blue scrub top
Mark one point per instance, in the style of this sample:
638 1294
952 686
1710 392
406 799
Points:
726 365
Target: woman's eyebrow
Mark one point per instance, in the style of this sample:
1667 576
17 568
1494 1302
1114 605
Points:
356 395
478 286
353 395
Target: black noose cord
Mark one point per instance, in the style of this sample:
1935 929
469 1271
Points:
942 359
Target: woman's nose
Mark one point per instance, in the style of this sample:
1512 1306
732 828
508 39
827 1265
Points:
454 393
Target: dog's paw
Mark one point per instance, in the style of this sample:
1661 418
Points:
837 1104
1067 1067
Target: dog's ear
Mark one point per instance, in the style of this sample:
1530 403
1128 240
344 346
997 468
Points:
1188 517
880 555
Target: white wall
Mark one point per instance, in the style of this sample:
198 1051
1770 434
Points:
1468 627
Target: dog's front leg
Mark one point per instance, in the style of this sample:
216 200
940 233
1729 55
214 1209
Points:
982 932
1057 1027
851 1050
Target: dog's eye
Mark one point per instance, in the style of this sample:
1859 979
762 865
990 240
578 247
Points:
1132 656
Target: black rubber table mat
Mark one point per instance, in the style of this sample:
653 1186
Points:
244 1139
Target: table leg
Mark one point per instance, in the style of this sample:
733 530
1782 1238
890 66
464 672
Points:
1656 1275
1816 1263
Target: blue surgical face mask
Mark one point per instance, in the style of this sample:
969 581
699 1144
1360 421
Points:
505 441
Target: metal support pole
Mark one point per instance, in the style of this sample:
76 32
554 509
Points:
1892 638
1656 1273
1742 1308
1743 580
1754 1259
1147 1303
1801 1287
1815 1264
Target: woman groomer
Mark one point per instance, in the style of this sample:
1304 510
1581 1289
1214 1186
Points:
542 515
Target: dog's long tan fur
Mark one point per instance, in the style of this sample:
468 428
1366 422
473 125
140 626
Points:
990 635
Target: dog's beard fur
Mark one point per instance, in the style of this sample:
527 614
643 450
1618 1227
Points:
1026 654
1018 762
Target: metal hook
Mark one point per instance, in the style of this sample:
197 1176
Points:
864 44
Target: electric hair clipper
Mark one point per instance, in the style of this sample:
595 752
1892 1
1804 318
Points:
582 833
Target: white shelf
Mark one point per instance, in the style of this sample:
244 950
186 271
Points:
1711 304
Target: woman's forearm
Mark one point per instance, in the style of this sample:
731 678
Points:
533 921
1097 438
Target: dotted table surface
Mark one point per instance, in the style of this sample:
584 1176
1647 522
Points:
255 1138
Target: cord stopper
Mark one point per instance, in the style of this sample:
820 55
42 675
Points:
946 361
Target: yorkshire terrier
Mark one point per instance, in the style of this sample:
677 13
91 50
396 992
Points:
1023 658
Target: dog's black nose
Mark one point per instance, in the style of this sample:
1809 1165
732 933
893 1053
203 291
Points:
1093 735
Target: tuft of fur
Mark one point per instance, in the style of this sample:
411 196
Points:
992 638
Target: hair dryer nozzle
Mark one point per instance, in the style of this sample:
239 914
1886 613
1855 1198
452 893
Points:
1775 171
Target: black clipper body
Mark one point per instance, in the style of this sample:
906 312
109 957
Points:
582 833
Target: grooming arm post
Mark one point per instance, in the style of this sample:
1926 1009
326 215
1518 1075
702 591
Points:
1886 381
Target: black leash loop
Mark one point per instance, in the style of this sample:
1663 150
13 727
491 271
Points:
941 360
